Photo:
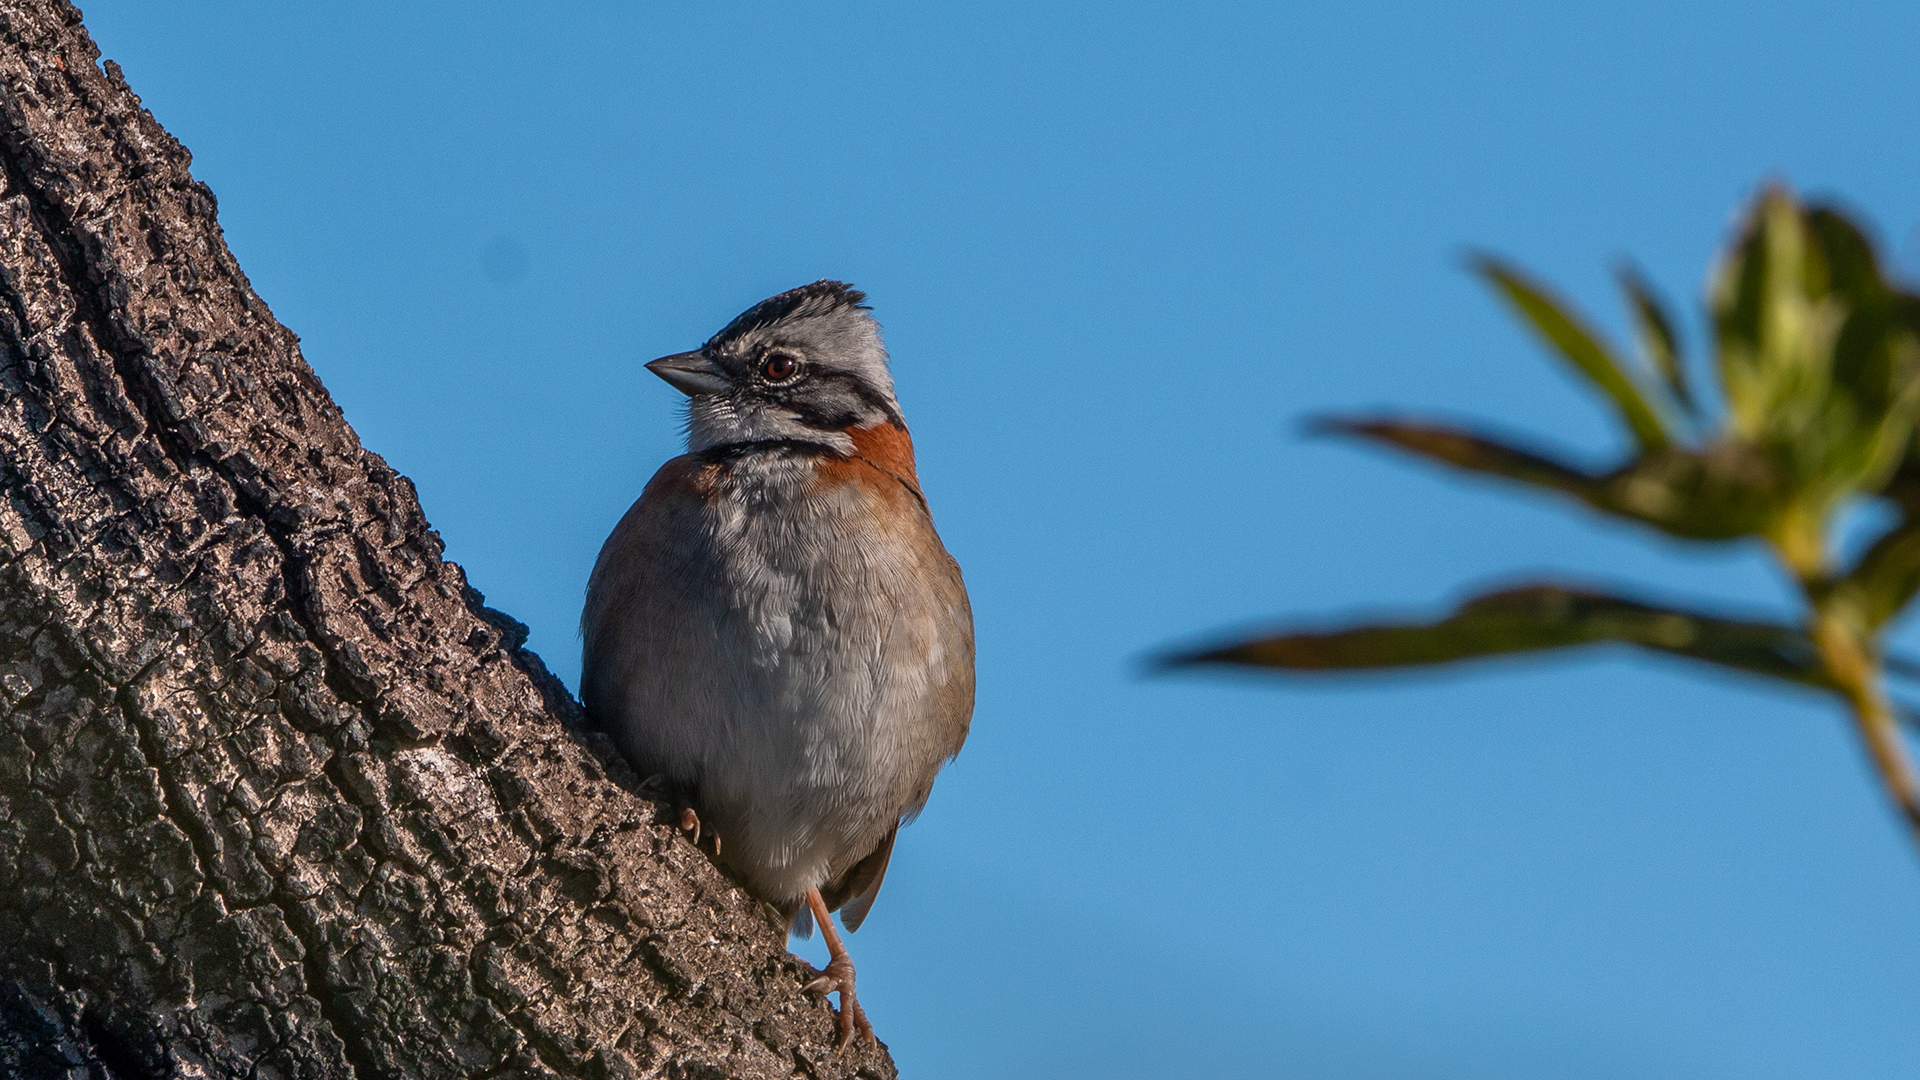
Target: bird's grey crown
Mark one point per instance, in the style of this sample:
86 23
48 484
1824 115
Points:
843 380
823 297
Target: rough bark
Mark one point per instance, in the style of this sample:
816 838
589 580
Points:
279 796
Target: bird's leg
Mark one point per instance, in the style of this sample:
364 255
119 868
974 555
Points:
838 976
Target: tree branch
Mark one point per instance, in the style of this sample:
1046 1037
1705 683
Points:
278 795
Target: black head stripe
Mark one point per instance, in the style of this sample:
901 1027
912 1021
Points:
788 447
836 400
819 298
877 401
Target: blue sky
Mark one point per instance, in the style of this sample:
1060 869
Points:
1120 251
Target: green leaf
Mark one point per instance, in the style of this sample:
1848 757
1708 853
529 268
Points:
1874 355
1903 484
1819 365
1772 332
1579 345
1528 619
1720 492
1464 449
1853 270
1886 577
1657 336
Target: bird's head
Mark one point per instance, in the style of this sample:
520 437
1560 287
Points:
806 365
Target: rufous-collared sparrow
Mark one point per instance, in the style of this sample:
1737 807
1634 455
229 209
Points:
775 627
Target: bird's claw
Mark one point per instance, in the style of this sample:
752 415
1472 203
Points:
852 1019
691 825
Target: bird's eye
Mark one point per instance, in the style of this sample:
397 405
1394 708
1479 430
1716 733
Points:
779 367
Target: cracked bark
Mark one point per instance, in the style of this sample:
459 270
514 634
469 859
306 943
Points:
279 796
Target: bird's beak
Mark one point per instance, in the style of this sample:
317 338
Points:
691 373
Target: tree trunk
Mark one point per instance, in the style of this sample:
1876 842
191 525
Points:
279 796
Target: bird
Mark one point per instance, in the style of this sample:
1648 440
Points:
774 630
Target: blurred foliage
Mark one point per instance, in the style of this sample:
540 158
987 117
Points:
1816 354
1532 618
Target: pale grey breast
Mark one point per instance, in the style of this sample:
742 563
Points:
780 631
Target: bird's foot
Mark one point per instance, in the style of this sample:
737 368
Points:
690 824
838 978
